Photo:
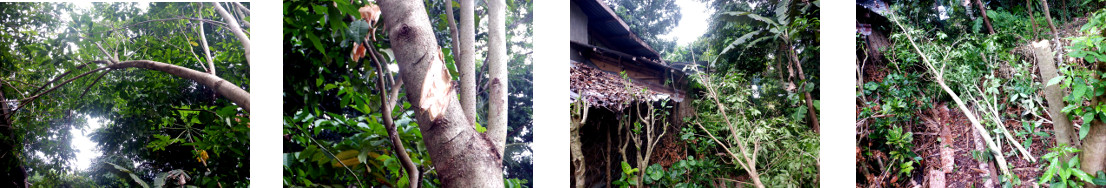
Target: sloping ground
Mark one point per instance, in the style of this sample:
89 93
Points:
964 141
946 124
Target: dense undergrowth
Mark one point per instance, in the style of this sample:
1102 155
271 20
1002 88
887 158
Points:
995 75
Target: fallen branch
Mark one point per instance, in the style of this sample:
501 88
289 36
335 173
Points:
939 78
992 109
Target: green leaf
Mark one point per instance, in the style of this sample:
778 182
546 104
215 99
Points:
1054 80
480 128
1084 130
1078 89
1100 178
1049 172
1082 175
656 172
735 43
315 41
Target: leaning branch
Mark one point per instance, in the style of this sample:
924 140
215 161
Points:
228 90
745 160
387 103
234 28
939 78
207 51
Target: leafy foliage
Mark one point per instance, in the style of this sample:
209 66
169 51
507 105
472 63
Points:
183 119
1065 173
650 19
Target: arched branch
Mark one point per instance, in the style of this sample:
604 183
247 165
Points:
228 90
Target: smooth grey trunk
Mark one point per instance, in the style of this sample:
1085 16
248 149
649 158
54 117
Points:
497 71
462 157
466 63
1055 97
236 29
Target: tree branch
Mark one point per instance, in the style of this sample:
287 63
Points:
166 19
234 28
939 78
207 51
387 104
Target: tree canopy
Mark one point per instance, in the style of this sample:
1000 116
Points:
127 64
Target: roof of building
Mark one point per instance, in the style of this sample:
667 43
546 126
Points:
606 26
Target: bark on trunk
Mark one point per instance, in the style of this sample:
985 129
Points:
467 61
986 20
811 112
1055 97
452 28
1048 16
1032 19
462 157
497 70
228 90
236 29
579 117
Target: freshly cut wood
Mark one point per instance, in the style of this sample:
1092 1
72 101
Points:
935 121
936 178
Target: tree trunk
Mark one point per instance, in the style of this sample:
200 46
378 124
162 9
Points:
467 61
1055 97
1032 19
452 28
986 20
232 92
811 112
497 71
1048 16
462 157
579 117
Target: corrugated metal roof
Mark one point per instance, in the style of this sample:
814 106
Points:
606 26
